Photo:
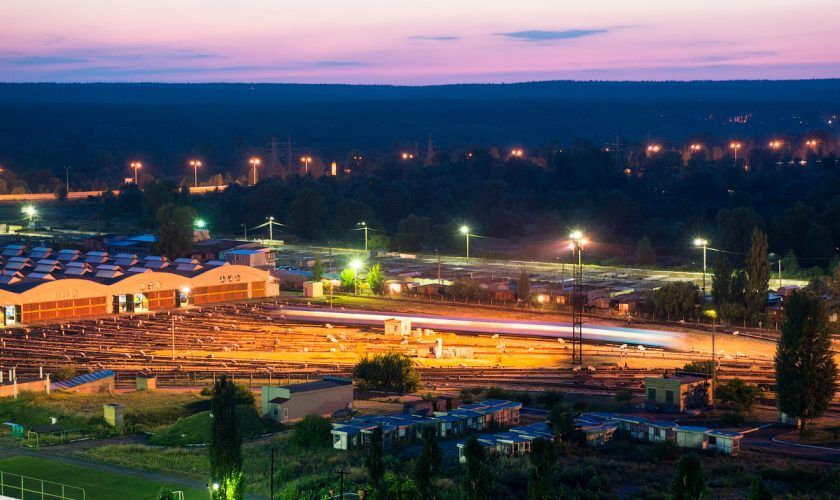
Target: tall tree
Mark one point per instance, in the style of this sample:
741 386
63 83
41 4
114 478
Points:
543 458
721 281
174 230
376 279
428 465
477 478
805 369
374 459
758 275
225 443
561 420
318 269
523 286
689 482
645 255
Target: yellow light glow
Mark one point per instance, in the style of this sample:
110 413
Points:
464 229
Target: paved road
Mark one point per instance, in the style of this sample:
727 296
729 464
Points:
479 325
765 441
8 451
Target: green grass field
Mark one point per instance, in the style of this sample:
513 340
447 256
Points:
143 410
98 485
195 429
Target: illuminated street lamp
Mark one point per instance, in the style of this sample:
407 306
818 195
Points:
711 313
200 224
735 146
270 228
195 164
654 148
577 242
254 164
694 148
775 144
406 156
517 153
364 227
355 265
306 160
136 165
703 243
465 230
30 211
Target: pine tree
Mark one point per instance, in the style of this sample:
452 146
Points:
317 269
428 464
645 255
374 461
805 369
758 275
225 443
721 282
477 478
523 287
689 483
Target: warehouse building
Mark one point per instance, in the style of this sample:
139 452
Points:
41 284
322 397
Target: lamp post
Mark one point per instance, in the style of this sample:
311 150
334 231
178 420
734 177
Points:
254 163
195 164
306 160
703 243
355 265
735 146
30 211
270 228
465 230
363 225
713 314
136 165
577 241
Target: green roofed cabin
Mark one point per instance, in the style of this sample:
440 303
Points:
668 393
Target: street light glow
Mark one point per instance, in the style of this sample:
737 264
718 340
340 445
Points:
200 224
464 229
700 242
355 264
576 235
30 211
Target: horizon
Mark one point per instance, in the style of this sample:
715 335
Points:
368 43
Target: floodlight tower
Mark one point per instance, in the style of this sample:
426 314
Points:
577 241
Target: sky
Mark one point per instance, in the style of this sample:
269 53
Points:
416 43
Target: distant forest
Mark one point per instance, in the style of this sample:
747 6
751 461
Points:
568 176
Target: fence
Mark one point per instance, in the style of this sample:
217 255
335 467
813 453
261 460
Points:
29 488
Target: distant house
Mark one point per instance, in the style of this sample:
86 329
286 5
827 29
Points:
293 402
669 393
261 258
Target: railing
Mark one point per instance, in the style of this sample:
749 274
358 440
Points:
29 488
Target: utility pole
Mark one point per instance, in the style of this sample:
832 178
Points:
714 366
67 179
437 254
245 228
173 338
270 228
271 476
273 156
364 227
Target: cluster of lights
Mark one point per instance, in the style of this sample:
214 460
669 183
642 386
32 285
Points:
577 239
811 143
136 165
407 156
517 153
776 144
255 162
654 148
695 147
735 145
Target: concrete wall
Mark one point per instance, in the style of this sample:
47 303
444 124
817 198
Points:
7 389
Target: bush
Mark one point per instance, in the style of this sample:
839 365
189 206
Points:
387 372
732 418
63 373
663 451
623 395
312 432
550 398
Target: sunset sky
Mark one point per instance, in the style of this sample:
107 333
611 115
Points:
421 42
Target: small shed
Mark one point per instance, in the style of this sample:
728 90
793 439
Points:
113 414
313 289
398 326
661 431
145 382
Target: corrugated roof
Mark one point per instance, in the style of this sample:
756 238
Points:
82 379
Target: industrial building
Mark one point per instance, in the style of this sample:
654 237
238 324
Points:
40 284
322 397
669 393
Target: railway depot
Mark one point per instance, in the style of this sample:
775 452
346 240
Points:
39 284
